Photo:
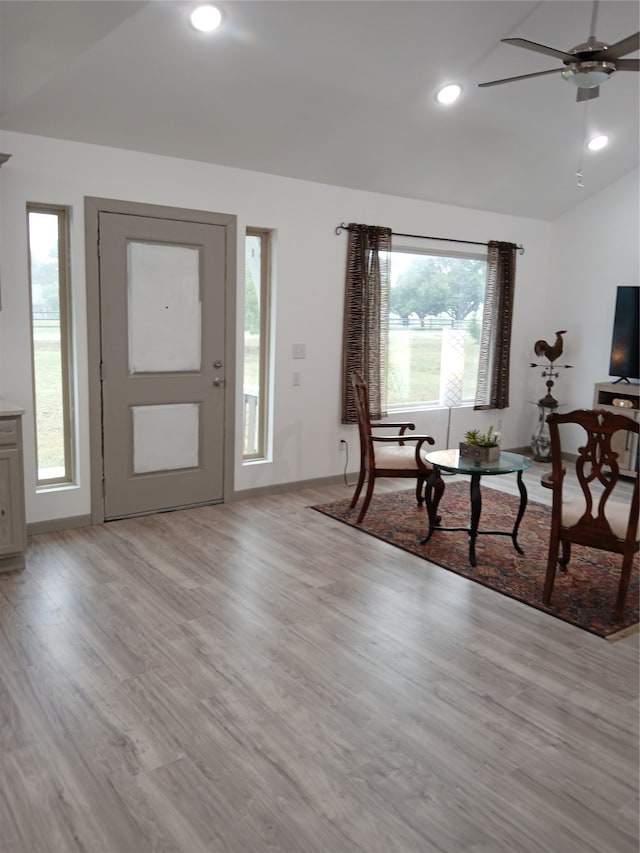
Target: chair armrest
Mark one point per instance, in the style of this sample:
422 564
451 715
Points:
402 438
402 426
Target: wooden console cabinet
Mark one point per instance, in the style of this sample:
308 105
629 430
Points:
13 533
627 446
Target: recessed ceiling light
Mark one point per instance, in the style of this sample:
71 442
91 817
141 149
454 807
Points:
206 18
597 143
449 94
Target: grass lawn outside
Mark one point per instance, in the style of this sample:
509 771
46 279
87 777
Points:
414 366
49 408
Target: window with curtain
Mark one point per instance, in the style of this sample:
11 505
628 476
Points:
435 320
425 327
366 317
495 341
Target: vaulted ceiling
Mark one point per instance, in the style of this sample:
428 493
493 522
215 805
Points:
336 92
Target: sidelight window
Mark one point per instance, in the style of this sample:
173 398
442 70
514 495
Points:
48 231
257 294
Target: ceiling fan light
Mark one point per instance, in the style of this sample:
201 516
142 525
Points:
205 18
449 94
597 143
588 75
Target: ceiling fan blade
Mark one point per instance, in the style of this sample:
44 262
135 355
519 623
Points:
541 48
588 94
520 77
627 64
620 48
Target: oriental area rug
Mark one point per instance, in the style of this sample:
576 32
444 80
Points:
584 596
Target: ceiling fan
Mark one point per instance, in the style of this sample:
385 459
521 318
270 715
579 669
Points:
586 65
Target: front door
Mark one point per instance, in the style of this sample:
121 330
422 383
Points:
162 327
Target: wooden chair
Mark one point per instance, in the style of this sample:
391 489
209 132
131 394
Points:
388 455
594 518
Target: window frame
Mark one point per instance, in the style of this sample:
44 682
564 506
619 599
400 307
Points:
63 214
408 249
265 292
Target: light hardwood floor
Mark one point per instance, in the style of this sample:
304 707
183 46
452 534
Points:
258 677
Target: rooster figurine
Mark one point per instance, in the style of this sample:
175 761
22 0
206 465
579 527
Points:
545 350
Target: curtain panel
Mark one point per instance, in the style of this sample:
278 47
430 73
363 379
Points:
366 317
495 342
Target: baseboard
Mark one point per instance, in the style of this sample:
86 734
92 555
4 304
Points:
526 451
54 524
281 488
522 451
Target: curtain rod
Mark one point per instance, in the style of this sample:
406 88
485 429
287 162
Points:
344 227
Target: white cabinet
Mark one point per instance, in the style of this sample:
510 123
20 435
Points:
13 534
624 399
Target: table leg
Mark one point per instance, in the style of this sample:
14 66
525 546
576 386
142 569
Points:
433 478
523 505
476 509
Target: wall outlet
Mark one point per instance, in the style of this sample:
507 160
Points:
342 445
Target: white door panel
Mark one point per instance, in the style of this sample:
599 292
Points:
162 318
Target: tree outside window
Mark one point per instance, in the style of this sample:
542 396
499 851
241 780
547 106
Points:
430 295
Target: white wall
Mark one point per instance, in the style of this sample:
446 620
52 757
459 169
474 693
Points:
308 293
595 248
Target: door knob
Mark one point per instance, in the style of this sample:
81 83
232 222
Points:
218 381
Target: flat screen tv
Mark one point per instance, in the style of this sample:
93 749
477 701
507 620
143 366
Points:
625 347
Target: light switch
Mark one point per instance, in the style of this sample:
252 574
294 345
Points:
299 351
295 377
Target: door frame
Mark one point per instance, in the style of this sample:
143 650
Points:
93 207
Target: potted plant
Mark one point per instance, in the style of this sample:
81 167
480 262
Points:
483 447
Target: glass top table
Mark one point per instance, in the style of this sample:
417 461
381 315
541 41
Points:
453 462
